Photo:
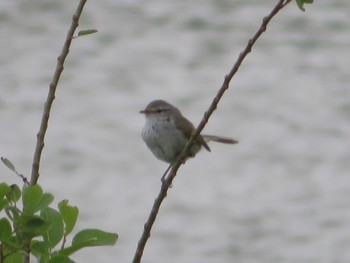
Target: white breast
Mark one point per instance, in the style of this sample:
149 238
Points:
163 139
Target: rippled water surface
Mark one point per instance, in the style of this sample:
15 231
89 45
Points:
281 195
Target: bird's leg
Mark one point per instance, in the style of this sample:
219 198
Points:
163 179
164 175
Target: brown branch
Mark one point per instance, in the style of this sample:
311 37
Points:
229 76
51 95
47 109
168 181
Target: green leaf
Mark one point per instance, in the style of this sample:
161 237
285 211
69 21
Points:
15 193
16 257
87 32
69 215
8 163
301 3
34 199
90 238
40 250
31 226
45 201
94 237
11 245
5 229
31 199
60 259
4 190
13 213
54 233
3 203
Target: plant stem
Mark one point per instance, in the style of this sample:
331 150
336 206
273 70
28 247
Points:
168 181
47 109
51 95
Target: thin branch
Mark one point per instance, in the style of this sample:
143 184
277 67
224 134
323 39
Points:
47 109
225 85
51 95
168 181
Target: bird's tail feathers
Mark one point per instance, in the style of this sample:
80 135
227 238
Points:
214 138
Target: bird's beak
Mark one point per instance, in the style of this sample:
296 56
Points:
146 111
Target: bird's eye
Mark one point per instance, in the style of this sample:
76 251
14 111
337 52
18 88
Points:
159 110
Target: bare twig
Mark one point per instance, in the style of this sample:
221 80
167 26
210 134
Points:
47 109
51 95
168 181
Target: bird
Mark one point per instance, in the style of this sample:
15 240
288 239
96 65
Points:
166 132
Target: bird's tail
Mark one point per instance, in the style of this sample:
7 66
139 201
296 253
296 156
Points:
214 138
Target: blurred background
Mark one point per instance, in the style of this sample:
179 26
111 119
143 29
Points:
281 195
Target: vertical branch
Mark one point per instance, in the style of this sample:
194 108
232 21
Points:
47 109
168 181
51 95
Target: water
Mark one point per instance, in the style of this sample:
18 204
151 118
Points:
281 195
